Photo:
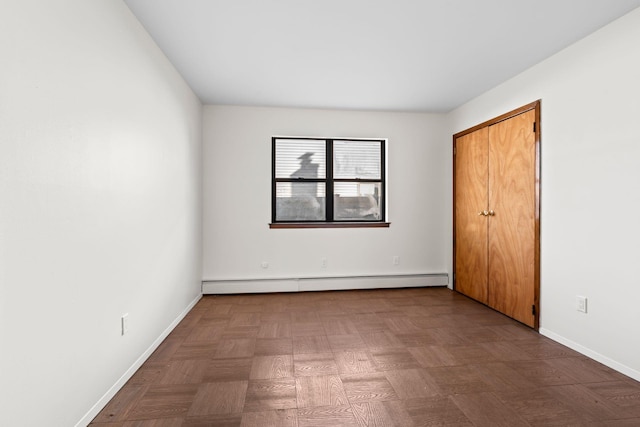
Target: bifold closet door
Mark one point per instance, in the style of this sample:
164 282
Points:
511 234
496 234
472 180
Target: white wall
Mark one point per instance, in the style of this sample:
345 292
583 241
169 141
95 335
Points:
100 211
590 187
237 196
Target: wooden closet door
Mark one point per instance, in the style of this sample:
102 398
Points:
512 184
471 180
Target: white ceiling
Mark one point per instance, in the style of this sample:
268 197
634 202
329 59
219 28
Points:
392 55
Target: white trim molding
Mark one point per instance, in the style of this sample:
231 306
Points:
630 372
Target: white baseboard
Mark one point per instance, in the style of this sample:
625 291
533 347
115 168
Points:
630 372
322 283
95 410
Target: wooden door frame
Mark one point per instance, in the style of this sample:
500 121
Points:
538 128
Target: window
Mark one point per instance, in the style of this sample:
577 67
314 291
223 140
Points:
350 171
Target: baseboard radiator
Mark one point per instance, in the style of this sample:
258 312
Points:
303 284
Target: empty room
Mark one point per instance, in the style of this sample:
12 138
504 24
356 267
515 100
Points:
319 213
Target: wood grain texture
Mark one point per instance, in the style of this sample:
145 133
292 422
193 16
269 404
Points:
458 363
512 185
471 230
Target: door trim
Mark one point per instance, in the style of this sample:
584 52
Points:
531 106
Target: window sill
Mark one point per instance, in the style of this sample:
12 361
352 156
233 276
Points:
330 225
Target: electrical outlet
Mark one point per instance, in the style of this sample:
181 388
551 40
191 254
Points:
124 323
396 260
324 263
264 264
581 304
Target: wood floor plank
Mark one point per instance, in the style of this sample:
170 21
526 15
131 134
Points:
314 364
272 367
326 390
402 357
219 398
269 395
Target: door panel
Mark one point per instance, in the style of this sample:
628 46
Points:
471 180
512 165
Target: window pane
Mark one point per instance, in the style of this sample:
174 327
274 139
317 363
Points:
300 201
357 201
300 158
357 159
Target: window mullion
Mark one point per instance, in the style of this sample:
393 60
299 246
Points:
329 184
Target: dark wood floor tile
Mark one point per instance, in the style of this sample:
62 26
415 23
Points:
271 367
244 319
327 416
432 356
586 403
541 373
485 409
368 387
166 349
314 364
275 330
248 308
354 362
184 372
276 317
122 404
236 332
305 317
326 390
223 420
372 414
411 383
148 373
401 324
402 357
505 351
267 395
339 327
388 359
346 342
478 334
540 408
311 344
159 422
447 336
584 370
196 350
435 411
381 339
544 348
367 323
219 398
273 418
164 401
235 369
271 346
467 354
307 329
500 376
207 331
235 347
513 331
623 395
398 413
452 380
419 339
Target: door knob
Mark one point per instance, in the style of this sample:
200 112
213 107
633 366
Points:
483 213
491 213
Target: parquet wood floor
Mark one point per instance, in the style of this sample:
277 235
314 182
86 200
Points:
400 357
